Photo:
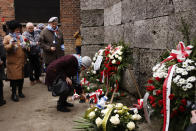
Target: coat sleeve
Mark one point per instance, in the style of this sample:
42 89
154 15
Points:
191 127
43 44
7 45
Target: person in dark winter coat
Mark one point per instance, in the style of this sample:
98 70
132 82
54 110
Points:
193 121
34 54
51 41
2 73
67 67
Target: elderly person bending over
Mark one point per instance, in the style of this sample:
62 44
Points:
34 53
68 67
51 41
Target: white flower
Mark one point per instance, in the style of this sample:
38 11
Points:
135 111
88 88
184 64
155 67
182 81
119 105
94 72
97 80
96 54
189 61
116 56
175 80
165 75
184 88
131 125
91 115
179 70
190 68
191 79
184 73
117 115
136 117
113 61
115 120
189 85
98 121
120 53
115 111
94 58
120 58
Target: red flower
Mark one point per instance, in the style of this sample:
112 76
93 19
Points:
171 96
25 40
157 78
183 101
150 88
160 102
181 109
152 99
154 105
162 111
150 81
158 92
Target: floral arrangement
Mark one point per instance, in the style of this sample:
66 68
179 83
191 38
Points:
25 43
172 87
114 59
113 117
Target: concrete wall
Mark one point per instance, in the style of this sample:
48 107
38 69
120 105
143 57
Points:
148 26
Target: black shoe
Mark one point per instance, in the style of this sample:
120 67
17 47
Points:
15 97
62 108
21 95
3 102
69 104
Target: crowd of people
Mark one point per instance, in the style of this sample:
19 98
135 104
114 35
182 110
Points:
23 54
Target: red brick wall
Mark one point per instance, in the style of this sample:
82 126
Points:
69 16
70 22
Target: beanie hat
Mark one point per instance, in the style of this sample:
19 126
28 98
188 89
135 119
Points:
86 61
40 26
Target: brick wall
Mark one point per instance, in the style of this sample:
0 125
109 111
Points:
69 16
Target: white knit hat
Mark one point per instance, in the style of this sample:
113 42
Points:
53 19
86 61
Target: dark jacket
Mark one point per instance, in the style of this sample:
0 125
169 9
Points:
46 40
66 66
2 58
192 127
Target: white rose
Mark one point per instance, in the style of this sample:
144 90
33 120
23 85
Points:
111 57
115 120
94 58
134 117
97 80
117 115
139 117
120 58
135 111
120 53
131 125
113 61
98 121
116 56
104 111
91 115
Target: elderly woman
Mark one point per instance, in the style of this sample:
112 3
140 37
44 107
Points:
15 59
51 40
67 67
34 53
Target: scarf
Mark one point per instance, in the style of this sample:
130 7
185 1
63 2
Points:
16 36
49 27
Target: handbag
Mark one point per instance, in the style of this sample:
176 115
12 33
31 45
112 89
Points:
60 87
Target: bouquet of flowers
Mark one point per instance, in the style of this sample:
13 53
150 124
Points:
25 43
113 117
172 87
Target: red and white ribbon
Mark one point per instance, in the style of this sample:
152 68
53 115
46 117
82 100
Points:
94 97
99 92
166 100
139 104
180 54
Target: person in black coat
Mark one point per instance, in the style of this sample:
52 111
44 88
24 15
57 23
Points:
68 68
2 73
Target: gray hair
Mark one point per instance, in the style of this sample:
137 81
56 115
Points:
29 24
